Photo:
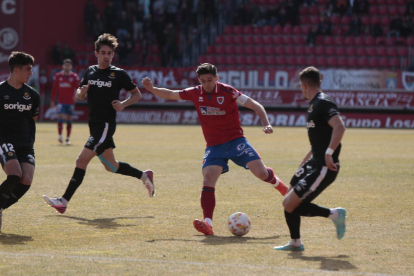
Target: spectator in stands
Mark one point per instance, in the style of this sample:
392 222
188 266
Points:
110 15
309 2
89 16
242 15
123 26
57 53
124 51
260 17
272 16
67 52
341 7
363 7
377 30
407 26
292 12
98 26
355 26
395 27
282 13
324 26
170 49
311 40
353 6
171 11
410 8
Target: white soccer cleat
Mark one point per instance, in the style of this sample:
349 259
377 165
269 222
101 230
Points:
60 139
58 203
149 183
67 142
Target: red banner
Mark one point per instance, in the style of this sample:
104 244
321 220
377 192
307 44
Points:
10 30
134 115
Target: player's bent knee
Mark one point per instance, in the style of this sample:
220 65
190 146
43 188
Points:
108 166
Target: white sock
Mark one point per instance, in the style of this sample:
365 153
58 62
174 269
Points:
296 242
334 214
209 221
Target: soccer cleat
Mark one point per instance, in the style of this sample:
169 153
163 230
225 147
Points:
149 183
1 217
60 139
203 227
56 202
340 223
290 247
67 142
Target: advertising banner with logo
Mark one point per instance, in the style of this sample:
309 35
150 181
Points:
135 115
10 31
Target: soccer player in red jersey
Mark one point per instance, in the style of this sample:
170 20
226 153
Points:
216 105
65 85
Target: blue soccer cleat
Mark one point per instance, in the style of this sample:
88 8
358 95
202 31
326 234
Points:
340 223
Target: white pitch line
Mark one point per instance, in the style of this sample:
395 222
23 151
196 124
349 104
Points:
192 263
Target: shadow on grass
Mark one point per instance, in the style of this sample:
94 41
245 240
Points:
220 240
104 223
334 263
13 239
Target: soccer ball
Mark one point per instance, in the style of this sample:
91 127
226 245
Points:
239 224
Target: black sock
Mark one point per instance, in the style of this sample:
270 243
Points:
312 210
16 194
7 187
74 183
293 222
126 169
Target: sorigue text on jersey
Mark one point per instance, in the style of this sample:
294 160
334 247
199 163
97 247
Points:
19 106
100 83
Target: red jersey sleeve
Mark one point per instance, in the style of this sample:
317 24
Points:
188 93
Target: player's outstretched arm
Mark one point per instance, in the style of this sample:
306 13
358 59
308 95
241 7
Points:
161 92
260 111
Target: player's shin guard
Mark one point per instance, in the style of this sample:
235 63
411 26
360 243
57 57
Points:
68 128
293 222
74 183
18 192
276 182
127 169
208 201
7 187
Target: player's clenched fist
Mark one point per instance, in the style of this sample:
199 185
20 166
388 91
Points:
268 129
82 91
147 83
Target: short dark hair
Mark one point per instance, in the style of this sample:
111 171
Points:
106 39
206 68
68 60
19 59
311 76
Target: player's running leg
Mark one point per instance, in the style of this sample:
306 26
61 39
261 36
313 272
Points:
266 174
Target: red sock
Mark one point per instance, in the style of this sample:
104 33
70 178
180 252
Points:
276 182
68 129
60 126
208 201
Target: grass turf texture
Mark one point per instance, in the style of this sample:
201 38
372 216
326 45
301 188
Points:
112 227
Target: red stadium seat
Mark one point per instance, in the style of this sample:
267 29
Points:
374 19
250 60
385 21
219 40
382 10
336 19
291 60
249 50
228 39
320 50
287 39
230 60
330 50
301 60
269 50
277 29
392 51
379 41
365 20
247 39
229 49
313 10
260 60
240 60
350 51
332 62
237 29
402 51
345 20
210 50
410 41
281 60
258 39
239 50
238 40
314 19
384 62
402 9
258 30
267 30
311 60
280 50
258 50
352 62
328 40
358 41
395 63
393 10
340 50
219 49
309 50
371 51
381 51
267 40
339 40
305 29
304 20
299 50
362 62
298 39
342 62
277 39
271 60
248 29
361 51
369 41
321 61
297 30
349 41
373 62
289 50
287 29
373 9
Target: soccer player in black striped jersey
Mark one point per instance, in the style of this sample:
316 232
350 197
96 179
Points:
19 109
101 85
320 166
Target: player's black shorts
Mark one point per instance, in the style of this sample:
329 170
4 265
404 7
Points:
310 180
101 137
9 152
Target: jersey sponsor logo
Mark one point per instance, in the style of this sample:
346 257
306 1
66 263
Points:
100 83
310 108
241 146
220 100
26 96
64 85
200 99
208 110
112 75
310 124
18 106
